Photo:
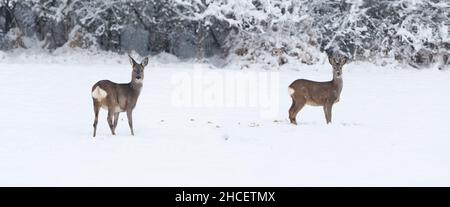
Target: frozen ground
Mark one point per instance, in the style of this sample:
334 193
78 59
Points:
391 128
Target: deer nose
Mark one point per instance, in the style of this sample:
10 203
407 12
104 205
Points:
138 77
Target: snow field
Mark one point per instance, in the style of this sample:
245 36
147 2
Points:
389 129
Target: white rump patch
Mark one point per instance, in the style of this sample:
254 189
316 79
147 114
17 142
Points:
291 91
99 93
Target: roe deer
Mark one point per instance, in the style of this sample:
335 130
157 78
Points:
317 93
118 97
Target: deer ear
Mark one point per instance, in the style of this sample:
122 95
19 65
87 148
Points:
331 60
343 60
132 62
144 62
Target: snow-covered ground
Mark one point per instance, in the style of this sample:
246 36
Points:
391 128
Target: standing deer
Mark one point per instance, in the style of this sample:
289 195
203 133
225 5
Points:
317 93
118 97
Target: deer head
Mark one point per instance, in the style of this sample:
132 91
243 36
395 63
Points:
337 64
137 75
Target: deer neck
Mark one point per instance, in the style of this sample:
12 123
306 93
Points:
136 86
337 81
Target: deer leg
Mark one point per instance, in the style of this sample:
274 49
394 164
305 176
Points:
295 108
110 120
130 120
96 110
327 111
116 119
330 107
291 111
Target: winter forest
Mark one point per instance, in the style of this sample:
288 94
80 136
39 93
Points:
276 31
